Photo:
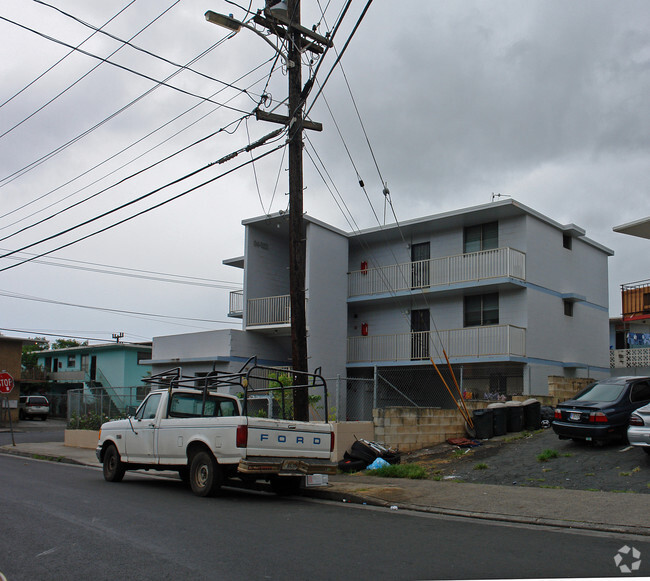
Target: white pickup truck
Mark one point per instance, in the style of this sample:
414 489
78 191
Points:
203 434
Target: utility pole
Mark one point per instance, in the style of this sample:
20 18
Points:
297 241
282 18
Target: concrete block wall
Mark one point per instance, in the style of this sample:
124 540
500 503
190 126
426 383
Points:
563 388
410 428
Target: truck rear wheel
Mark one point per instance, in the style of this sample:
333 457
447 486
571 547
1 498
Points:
205 474
113 467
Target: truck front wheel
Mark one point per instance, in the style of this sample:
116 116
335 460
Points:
113 467
205 474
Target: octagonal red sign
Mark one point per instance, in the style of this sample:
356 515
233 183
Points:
6 383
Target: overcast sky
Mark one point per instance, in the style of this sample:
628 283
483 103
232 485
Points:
447 102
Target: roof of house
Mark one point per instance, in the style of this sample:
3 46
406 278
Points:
100 347
640 228
457 218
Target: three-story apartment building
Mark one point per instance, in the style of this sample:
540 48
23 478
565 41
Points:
498 284
506 294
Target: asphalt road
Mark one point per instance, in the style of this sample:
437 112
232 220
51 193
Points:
64 521
50 430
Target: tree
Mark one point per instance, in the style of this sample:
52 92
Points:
66 343
29 358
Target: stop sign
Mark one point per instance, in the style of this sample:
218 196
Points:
6 382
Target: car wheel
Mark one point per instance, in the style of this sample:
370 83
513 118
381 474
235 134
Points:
286 485
43 418
113 466
646 449
205 474
21 415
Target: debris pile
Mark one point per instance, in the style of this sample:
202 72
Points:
363 453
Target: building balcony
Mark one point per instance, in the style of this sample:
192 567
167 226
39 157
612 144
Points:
268 312
236 304
629 358
438 273
636 300
492 341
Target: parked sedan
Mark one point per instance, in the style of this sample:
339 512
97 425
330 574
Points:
601 411
638 434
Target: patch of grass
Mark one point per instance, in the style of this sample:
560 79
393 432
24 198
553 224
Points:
536 479
637 469
481 466
414 471
625 474
549 486
567 455
590 474
547 455
593 490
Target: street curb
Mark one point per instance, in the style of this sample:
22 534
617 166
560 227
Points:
48 457
547 522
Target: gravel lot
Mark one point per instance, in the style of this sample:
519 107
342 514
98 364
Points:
513 460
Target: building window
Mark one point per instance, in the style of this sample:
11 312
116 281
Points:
568 308
481 310
71 360
567 241
646 301
481 237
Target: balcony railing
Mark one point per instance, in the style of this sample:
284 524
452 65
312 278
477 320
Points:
626 358
484 265
236 304
488 341
268 311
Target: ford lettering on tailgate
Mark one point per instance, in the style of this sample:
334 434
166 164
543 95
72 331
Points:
293 439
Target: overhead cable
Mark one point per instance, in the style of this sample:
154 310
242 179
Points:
39 77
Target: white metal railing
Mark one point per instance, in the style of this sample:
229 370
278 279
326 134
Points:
621 358
268 311
447 270
236 304
492 340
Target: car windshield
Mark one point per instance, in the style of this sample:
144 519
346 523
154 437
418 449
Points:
601 392
38 400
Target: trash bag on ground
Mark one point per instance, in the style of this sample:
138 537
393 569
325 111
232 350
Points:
378 463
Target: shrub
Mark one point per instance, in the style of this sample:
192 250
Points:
547 455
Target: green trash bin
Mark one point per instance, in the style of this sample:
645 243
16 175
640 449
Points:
532 414
514 416
483 424
499 425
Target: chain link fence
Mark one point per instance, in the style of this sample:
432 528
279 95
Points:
103 403
422 386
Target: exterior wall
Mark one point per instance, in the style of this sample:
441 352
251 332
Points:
266 272
326 282
117 364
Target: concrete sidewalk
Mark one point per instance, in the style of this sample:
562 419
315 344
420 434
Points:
600 511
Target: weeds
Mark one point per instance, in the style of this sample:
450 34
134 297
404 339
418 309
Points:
481 466
414 471
547 455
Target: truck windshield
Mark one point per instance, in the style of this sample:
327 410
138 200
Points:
190 405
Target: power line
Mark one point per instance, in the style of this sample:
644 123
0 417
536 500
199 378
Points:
9 294
65 56
78 49
141 171
140 49
44 158
146 210
138 273
126 149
